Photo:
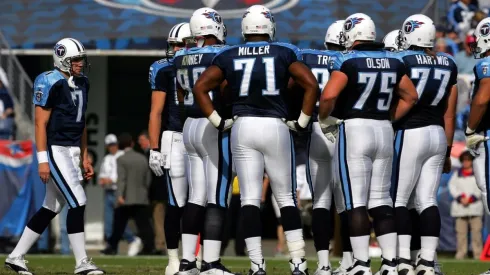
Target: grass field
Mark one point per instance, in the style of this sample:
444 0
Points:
156 265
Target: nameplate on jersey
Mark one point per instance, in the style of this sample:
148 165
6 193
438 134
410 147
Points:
253 50
431 60
191 59
378 63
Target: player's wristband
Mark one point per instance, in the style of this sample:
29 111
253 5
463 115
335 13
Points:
215 119
155 149
448 151
303 120
469 131
42 157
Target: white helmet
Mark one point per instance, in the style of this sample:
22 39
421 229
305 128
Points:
206 21
357 27
333 33
392 40
418 30
258 20
176 36
482 35
65 50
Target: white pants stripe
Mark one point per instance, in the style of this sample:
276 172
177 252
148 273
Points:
64 164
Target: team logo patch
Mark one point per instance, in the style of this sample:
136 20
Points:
268 15
484 69
60 50
485 29
411 25
349 24
39 95
213 16
185 8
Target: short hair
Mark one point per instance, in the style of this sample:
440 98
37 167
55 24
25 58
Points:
125 140
144 133
464 155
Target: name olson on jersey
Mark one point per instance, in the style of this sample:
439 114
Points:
253 51
429 60
378 63
192 59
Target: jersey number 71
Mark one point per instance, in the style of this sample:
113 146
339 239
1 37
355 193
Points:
247 65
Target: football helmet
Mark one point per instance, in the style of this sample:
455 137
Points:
482 38
65 50
333 33
357 27
418 30
206 21
176 37
258 20
392 41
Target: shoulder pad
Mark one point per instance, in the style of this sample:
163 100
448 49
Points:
43 84
482 68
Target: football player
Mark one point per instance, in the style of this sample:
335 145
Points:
170 156
361 87
391 42
423 141
60 97
208 161
478 129
320 152
258 73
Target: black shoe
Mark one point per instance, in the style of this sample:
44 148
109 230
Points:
185 265
108 251
216 265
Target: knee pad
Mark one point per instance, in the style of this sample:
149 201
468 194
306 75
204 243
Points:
383 220
250 216
359 217
290 217
41 220
75 220
430 222
403 221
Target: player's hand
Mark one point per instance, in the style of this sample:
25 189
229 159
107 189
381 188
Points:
44 172
120 201
226 124
294 125
330 127
88 170
473 140
447 166
156 162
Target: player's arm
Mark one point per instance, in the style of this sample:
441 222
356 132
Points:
87 165
450 116
407 98
479 105
42 115
155 123
302 75
211 78
335 85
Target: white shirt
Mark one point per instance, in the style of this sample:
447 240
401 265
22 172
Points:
108 168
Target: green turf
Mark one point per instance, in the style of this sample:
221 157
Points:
156 265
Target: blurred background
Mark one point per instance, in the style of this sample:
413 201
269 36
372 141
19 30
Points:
124 37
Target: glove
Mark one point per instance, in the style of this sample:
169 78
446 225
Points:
300 125
473 140
156 162
220 123
329 127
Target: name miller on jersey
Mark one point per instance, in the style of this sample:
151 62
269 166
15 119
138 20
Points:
430 60
253 50
378 63
191 59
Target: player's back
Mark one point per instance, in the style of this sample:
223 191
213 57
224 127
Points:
482 70
433 76
258 75
162 78
68 106
189 65
372 76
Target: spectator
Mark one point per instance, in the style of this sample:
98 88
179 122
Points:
452 47
465 60
441 45
108 180
133 182
460 16
157 198
467 207
6 113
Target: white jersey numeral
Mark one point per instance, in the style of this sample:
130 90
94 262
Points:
369 79
246 65
77 95
186 84
422 74
322 76
388 79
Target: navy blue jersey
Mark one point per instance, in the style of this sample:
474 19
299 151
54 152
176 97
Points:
162 79
372 76
433 78
190 64
68 106
319 63
482 71
258 75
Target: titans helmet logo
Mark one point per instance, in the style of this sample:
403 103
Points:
213 16
485 29
268 15
411 25
60 50
350 23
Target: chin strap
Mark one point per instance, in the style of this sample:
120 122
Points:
71 83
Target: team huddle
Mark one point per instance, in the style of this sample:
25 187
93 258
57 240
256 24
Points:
378 118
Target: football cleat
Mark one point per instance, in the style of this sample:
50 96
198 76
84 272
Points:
340 271
486 272
172 268
299 269
87 267
187 268
360 268
324 270
438 268
215 268
388 267
405 267
425 267
135 247
257 269
18 265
